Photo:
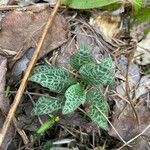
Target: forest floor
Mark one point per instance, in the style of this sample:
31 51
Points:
105 33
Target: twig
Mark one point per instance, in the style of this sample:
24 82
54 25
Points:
26 75
135 137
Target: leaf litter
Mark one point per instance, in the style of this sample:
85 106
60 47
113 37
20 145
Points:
26 27
4 103
66 35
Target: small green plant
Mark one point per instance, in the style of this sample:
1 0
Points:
71 92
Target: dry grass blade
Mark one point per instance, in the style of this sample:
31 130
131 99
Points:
26 75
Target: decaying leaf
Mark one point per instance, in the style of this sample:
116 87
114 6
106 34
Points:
123 118
75 96
4 2
124 121
77 119
20 66
106 24
64 54
133 76
97 44
4 105
21 30
143 87
142 53
23 3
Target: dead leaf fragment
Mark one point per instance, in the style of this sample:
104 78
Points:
66 51
142 53
106 24
4 2
4 105
144 86
124 121
20 66
21 30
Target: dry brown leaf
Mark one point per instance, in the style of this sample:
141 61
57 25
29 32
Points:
142 53
126 124
4 105
21 30
96 44
4 2
64 55
78 120
106 24
123 118
143 87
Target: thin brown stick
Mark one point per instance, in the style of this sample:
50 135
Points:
134 137
26 75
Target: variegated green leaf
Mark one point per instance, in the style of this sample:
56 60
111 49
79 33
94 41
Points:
47 105
54 78
42 68
75 96
81 57
96 98
98 74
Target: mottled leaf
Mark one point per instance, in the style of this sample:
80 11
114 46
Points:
75 96
54 78
81 57
97 99
98 74
43 68
47 105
